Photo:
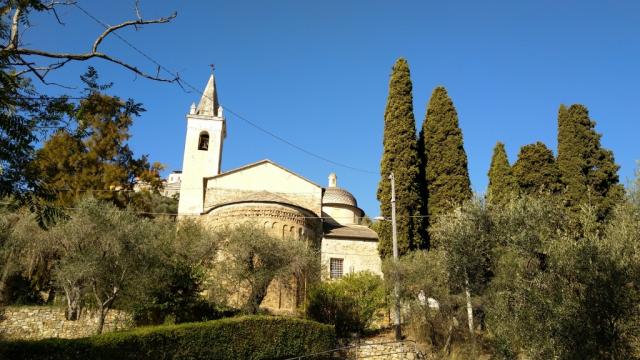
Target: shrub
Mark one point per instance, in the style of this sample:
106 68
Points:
349 303
21 291
250 337
189 310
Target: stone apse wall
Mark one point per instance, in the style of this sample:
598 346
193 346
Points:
39 322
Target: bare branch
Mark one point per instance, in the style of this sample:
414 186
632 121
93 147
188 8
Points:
13 37
34 70
137 5
51 6
113 28
13 48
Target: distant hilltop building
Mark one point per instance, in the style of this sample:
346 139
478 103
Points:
171 185
282 201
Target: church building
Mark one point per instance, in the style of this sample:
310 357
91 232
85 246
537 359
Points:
287 204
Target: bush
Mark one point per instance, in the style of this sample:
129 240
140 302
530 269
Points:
21 291
349 303
190 310
249 337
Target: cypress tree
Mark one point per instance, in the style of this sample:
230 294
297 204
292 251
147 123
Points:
536 171
501 185
400 156
588 172
445 161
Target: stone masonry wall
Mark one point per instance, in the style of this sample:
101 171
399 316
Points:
39 322
382 350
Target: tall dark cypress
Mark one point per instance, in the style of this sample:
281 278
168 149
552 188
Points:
588 172
536 172
400 156
501 186
444 158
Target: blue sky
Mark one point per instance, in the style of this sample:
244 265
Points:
316 73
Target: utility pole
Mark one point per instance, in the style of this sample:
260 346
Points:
396 285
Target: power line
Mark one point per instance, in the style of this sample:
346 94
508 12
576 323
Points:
251 123
213 215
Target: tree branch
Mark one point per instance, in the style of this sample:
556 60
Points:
52 7
113 28
13 49
13 37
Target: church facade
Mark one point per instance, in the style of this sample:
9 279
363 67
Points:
285 203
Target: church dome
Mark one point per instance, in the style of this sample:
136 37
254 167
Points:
338 196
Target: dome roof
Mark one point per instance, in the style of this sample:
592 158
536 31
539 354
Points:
338 196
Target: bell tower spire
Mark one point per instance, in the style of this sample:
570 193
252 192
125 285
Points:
206 131
209 104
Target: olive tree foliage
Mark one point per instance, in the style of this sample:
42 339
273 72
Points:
466 236
558 293
101 256
174 283
250 258
424 279
109 256
24 254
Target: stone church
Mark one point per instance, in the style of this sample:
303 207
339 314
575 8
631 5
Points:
287 204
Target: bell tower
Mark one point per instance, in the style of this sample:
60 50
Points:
206 131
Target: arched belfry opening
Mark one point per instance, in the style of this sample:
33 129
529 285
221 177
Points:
203 141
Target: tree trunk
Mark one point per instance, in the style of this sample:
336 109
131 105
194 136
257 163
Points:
258 292
51 296
469 307
4 276
102 313
103 306
449 334
72 293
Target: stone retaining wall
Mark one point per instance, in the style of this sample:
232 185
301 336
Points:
39 322
381 350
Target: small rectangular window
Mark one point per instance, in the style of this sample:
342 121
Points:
336 266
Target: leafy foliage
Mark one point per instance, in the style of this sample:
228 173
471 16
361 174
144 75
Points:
249 337
252 258
501 184
424 280
578 301
588 171
25 258
400 156
536 171
445 161
350 303
110 257
176 281
465 235
95 157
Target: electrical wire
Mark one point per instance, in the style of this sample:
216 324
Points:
237 115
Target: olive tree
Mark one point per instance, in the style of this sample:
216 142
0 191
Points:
103 255
252 258
24 254
466 236
565 294
425 294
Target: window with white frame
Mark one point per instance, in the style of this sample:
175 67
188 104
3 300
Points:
336 268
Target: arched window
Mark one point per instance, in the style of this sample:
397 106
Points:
203 141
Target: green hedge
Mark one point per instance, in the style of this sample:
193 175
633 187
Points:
248 337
